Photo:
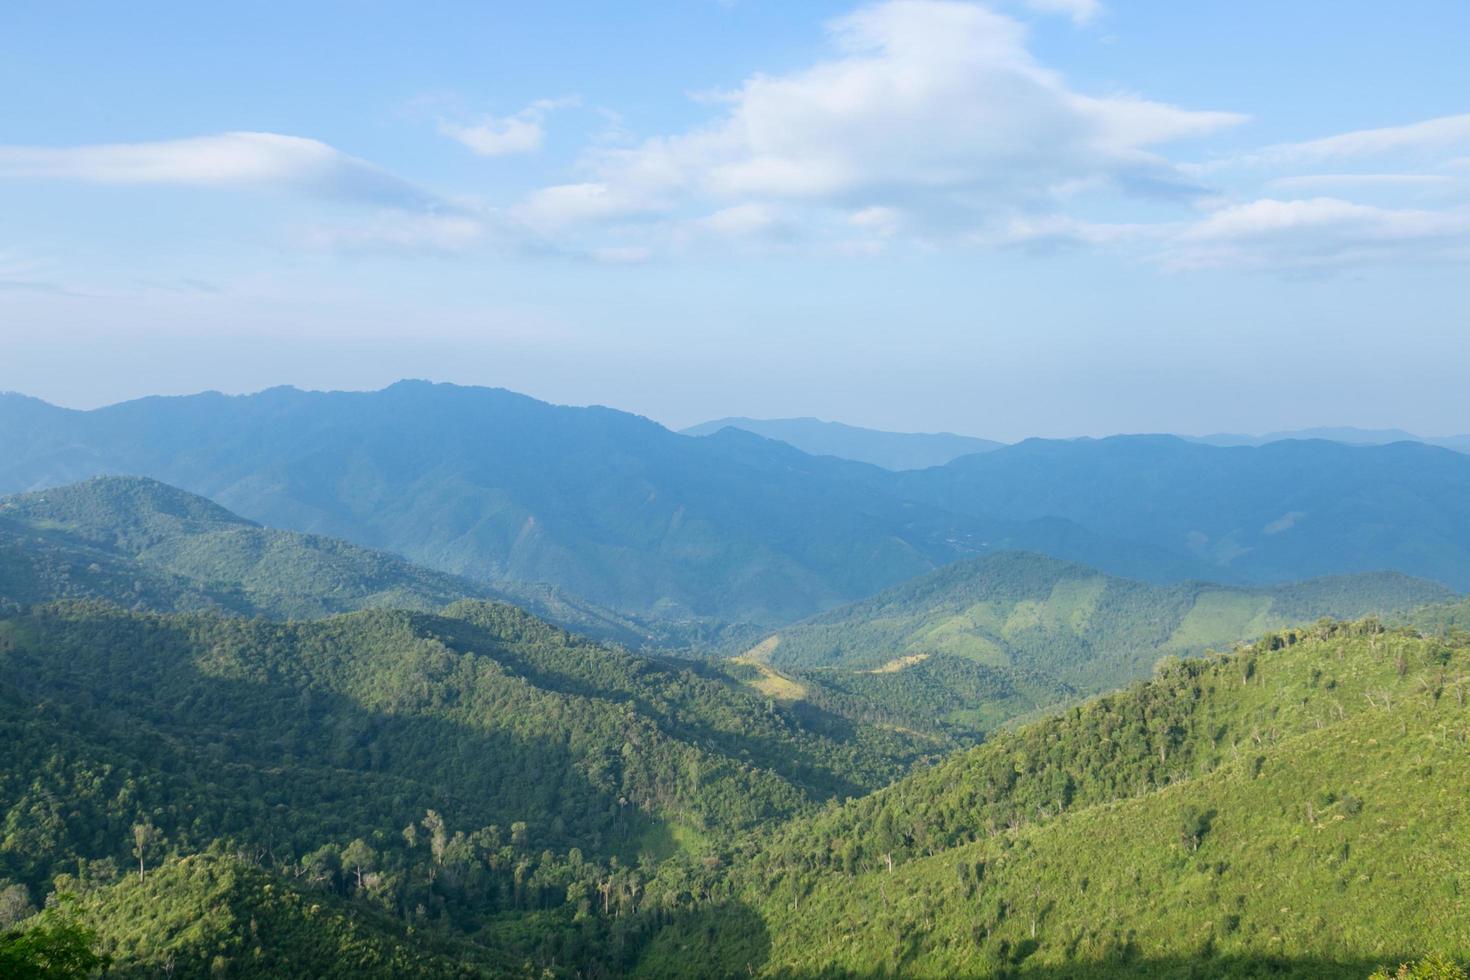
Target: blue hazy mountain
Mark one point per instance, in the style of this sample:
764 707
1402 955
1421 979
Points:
890 450
1283 511
497 486
1347 435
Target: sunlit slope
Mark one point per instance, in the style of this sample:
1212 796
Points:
1299 809
1084 628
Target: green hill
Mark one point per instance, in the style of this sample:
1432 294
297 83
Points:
143 544
204 553
1298 809
1074 625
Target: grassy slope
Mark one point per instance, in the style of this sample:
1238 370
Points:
1309 816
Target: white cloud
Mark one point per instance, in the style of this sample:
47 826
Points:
493 136
555 208
930 107
1443 133
742 221
1317 234
228 160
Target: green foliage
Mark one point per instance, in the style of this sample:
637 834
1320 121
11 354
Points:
1297 809
213 914
1432 967
51 946
1038 631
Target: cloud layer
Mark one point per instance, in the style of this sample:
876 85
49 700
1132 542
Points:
923 124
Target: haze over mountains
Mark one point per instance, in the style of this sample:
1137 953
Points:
733 527
1344 434
890 450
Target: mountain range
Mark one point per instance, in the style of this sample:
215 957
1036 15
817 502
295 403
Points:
1338 433
732 527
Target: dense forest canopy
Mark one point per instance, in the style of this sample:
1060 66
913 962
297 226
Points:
232 750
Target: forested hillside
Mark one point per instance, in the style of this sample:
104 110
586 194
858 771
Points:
491 736
143 544
479 794
987 639
1296 809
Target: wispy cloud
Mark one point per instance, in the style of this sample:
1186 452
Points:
21 273
1317 234
268 161
401 231
493 136
1427 136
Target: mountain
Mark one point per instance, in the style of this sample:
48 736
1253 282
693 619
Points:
496 486
1297 809
733 527
1279 512
964 649
1344 434
890 450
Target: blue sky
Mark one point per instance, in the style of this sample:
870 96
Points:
1050 217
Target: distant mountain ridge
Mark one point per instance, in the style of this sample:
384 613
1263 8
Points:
1347 435
735 527
1284 511
497 486
890 450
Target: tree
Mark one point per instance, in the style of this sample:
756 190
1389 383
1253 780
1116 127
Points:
15 906
360 858
145 835
55 947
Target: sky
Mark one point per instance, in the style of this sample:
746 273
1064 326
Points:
1007 218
